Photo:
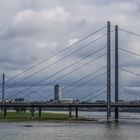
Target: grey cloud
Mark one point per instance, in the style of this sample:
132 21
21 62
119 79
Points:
32 30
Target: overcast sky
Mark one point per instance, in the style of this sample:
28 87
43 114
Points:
32 30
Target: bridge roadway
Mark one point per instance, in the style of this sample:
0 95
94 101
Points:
5 107
67 105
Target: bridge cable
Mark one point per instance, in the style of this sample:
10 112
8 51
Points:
74 63
129 52
97 95
79 81
129 92
84 38
73 88
92 93
130 32
53 64
35 84
84 83
128 71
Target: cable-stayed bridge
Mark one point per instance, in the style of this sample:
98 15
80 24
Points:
89 69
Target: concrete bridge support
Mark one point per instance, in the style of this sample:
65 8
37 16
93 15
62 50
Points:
70 112
39 110
5 112
76 112
32 112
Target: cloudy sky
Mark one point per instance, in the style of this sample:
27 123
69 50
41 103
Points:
33 30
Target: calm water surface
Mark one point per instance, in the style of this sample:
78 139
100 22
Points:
126 130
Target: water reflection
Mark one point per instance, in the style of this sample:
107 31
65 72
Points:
126 130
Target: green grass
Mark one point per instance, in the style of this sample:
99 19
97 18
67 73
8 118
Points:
45 116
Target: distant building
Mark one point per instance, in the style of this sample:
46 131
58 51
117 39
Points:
121 101
20 100
100 101
57 92
67 100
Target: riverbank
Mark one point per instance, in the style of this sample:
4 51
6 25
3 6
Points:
45 116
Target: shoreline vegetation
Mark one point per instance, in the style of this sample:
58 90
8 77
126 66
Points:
45 116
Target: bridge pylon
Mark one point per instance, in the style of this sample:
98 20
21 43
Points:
108 73
116 75
3 87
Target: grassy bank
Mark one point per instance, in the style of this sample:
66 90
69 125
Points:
45 116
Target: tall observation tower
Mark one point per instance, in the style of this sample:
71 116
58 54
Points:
57 92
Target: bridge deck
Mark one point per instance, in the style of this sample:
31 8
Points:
66 105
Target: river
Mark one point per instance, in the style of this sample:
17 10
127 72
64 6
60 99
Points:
126 130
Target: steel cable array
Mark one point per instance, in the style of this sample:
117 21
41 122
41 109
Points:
57 78
55 63
46 59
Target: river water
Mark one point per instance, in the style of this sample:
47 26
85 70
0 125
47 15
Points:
125 130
